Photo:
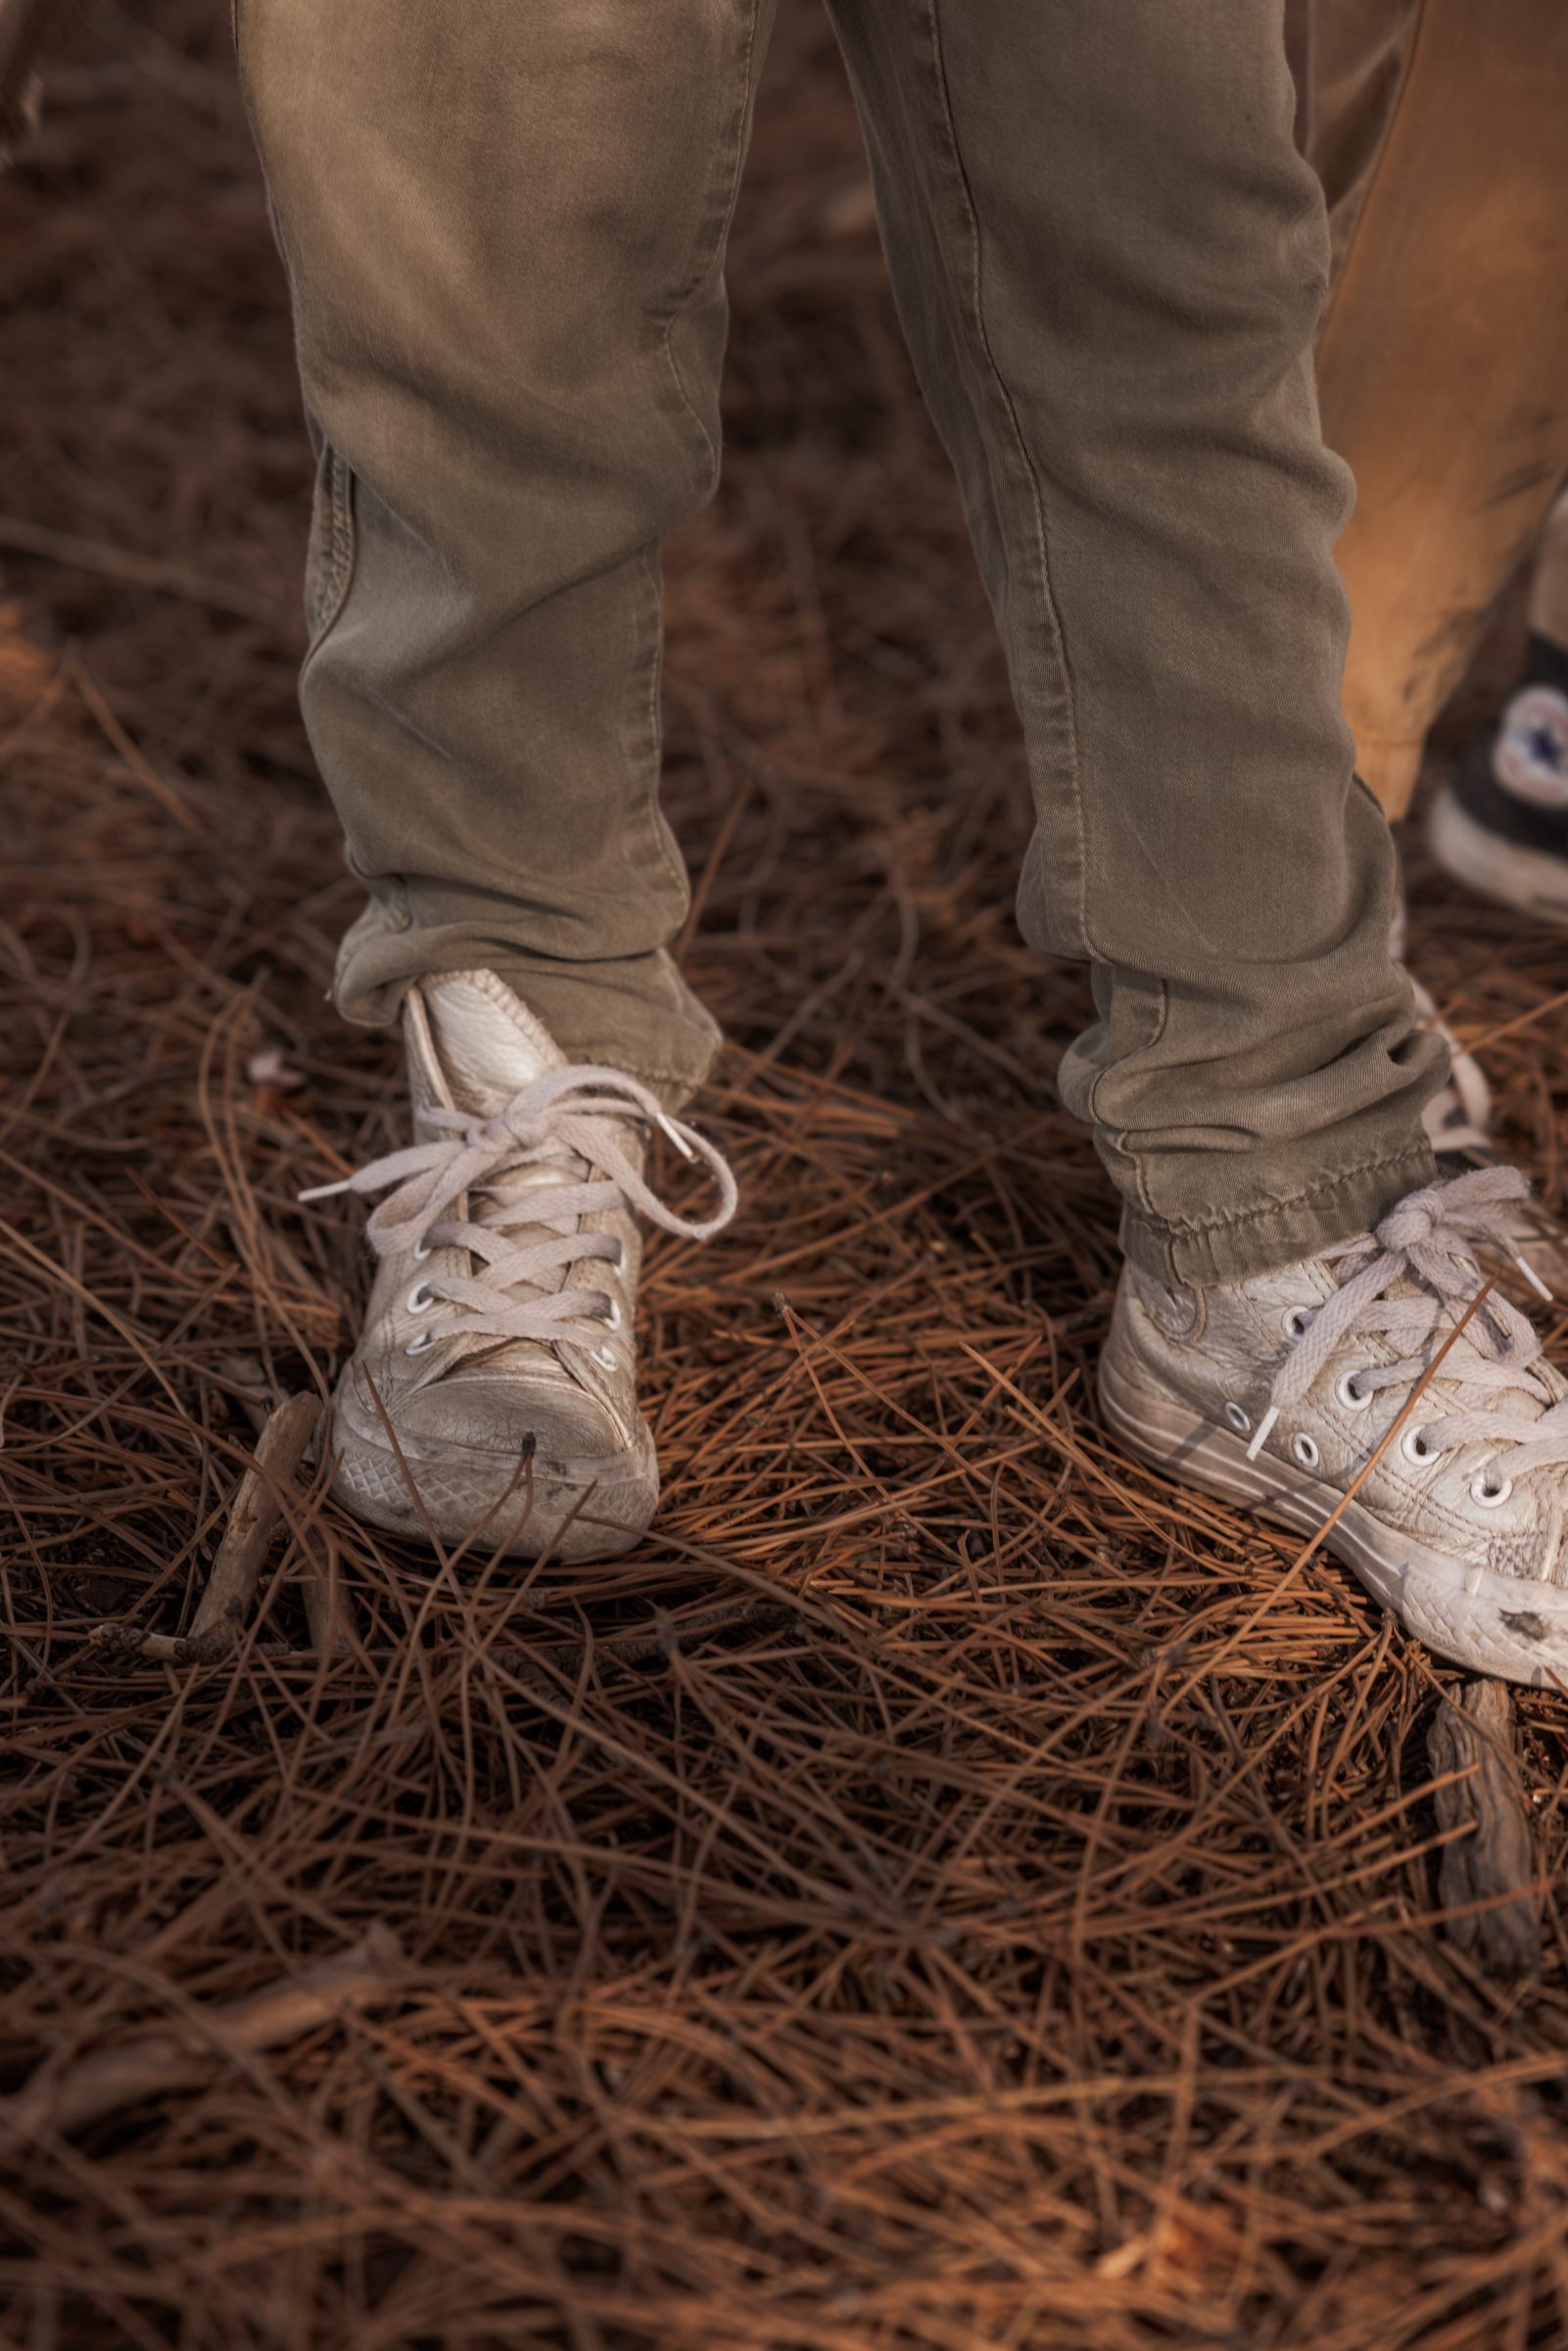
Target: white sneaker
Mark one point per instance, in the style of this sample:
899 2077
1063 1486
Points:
1275 1393
498 1334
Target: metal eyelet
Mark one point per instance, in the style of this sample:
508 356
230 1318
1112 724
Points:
1490 1498
1415 1447
421 1252
1238 1421
427 1338
420 1299
1346 1393
1294 1321
605 1355
1305 1451
614 1319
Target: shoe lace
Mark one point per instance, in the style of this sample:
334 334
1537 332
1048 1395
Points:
1427 1240
558 1144
1458 1116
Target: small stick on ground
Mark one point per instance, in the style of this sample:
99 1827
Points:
329 1609
1473 1732
184 2055
258 1508
543 1666
242 1554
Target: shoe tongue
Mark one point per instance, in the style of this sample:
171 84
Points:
488 1043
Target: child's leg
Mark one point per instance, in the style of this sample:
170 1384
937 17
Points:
505 227
1111 261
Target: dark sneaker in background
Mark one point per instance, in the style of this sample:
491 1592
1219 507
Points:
1500 826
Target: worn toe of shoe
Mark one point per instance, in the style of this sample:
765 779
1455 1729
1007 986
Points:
519 1464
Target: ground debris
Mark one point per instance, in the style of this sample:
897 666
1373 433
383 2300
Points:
1492 1864
947 1888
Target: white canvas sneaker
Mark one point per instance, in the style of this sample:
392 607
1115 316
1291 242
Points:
499 1336
1275 1392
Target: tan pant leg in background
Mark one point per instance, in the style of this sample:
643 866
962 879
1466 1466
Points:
1548 592
1439 130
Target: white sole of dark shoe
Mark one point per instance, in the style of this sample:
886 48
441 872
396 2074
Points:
488 1504
1491 1623
1533 879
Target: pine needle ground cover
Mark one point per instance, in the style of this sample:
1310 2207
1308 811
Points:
947 1888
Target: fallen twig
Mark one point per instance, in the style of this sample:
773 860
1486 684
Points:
183 2055
258 1508
329 1638
241 1555
329 1608
1472 1733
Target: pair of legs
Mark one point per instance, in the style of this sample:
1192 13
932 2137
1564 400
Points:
505 231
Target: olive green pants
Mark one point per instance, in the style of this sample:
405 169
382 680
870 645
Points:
504 230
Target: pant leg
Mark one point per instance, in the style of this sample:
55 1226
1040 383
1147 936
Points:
503 228
1548 590
1110 260
1437 126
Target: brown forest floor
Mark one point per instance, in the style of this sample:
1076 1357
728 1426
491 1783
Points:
1012 1922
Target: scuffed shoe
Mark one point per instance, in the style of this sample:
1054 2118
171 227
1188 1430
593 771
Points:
499 1336
1275 1392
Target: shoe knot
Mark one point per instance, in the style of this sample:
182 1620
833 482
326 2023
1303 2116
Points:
1412 1224
525 1127
1447 1219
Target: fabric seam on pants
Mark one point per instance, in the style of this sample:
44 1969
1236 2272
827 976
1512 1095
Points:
1180 1227
1043 562
714 235
710 246
1119 1139
340 549
652 803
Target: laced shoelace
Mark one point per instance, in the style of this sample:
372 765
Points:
1429 1239
547 1142
1459 1117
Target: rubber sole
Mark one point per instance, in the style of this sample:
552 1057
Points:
1532 880
1491 1623
572 1511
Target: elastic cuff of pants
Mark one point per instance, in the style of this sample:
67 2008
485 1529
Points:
633 1013
1277 1232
